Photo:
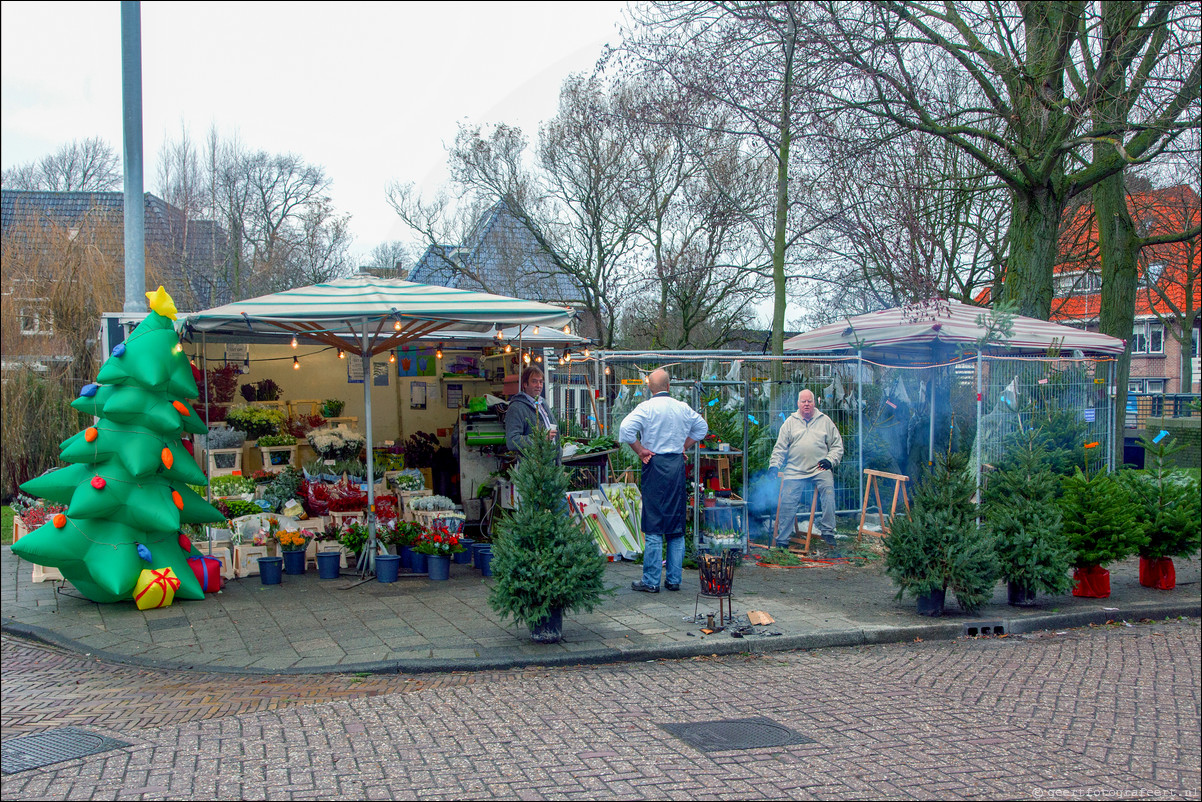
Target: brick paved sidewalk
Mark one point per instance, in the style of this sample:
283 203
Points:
307 624
1101 712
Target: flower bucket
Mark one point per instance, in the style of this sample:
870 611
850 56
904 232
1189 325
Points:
549 630
484 560
1020 595
1157 573
1093 582
476 549
931 604
439 566
294 562
388 567
419 563
271 570
328 564
407 558
464 557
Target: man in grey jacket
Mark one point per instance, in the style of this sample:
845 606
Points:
807 450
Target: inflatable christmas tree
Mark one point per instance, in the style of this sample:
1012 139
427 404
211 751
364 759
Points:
126 484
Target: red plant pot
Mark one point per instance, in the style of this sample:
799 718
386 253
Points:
1093 582
1157 573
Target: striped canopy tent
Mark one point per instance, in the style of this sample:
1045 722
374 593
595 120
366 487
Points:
365 315
903 335
934 332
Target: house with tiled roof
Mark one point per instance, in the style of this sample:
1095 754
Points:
1168 299
77 238
502 254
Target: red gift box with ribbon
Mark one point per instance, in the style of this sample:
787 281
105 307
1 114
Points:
208 572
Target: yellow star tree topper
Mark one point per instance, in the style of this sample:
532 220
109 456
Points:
160 301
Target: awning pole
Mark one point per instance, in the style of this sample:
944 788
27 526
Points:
370 557
978 437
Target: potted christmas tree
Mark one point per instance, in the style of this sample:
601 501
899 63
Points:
543 563
1100 524
1167 508
1025 523
939 546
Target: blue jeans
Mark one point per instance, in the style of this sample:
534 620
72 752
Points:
653 559
796 495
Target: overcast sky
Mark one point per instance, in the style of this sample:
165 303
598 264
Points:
370 91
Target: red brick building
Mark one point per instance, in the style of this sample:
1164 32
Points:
1169 297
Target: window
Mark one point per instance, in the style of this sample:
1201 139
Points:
1147 338
1077 283
33 322
1153 273
1156 385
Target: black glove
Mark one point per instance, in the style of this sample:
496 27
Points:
824 464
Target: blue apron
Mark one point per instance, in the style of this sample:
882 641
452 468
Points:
663 495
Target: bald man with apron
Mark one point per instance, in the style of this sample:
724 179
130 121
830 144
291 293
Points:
660 430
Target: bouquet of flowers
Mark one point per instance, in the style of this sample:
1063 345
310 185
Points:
331 531
336 443
437 541
406 533
431 503
292 539
409 479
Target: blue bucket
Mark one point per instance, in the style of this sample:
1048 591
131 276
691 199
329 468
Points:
464 557
484 560
328 564
271 570
388 567
476 549
419 563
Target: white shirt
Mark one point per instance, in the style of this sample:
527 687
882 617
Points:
662 424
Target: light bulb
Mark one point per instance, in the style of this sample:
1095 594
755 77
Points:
607 370
586 353
498 335
438 352
396 326
295 363
508 348
536 329
561 360
341 355
294 342
538 359
392 356
526 358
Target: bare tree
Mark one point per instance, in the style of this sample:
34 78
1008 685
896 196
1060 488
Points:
393 258
87 165
1042 69
748 62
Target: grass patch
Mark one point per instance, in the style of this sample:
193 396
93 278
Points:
6 522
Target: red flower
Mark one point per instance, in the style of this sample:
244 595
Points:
438 538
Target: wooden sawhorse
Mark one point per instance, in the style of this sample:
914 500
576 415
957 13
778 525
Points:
873 487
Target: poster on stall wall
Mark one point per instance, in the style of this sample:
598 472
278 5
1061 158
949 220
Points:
627 503
354 369
589 507
414 361
379 374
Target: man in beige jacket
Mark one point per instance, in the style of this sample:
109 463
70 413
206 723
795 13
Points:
807 450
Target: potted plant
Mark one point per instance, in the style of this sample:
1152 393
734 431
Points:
249 392
939 546
332 408
223 383
255 421
336 443
267 390
543 563
355 470
293 543
1168 511
438 545
354 539
263 477
1101 527
1024 521
276 440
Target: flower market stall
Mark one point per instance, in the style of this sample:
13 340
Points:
363 316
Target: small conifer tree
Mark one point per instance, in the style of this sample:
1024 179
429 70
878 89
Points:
1099 519
939 545
542 561
1024 521
1166 502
